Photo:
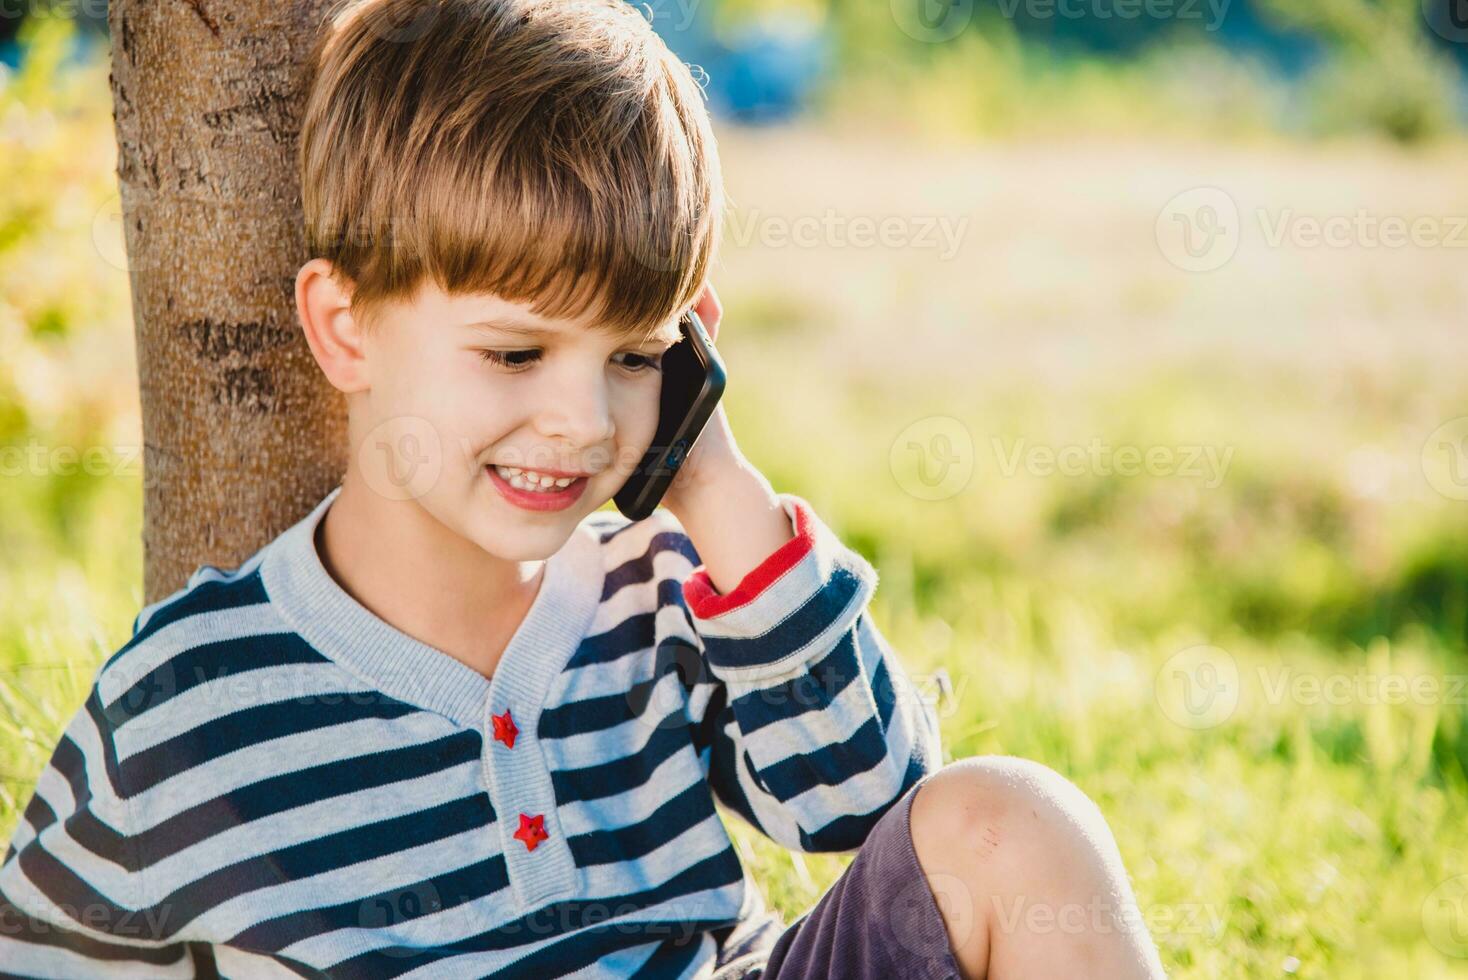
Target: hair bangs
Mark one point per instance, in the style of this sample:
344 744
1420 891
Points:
553 154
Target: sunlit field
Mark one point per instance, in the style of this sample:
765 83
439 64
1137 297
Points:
1181 515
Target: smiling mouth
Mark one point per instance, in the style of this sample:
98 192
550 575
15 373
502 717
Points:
537 494
535 480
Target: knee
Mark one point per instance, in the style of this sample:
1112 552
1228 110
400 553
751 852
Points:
1005 814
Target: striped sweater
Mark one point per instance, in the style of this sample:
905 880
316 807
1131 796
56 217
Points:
268 780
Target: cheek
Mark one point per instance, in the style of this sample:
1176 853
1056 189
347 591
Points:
469 388
636 415
454 395
405 373
478 408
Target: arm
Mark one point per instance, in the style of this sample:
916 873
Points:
811 727
72 898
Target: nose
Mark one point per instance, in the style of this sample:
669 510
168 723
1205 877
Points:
577 416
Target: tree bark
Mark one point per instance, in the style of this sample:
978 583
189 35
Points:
241 431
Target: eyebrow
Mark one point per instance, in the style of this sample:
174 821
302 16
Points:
511 326
531 330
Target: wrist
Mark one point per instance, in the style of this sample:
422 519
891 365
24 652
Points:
732 485
735 525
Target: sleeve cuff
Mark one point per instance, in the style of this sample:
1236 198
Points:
705 601
787 609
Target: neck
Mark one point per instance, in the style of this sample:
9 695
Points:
413 572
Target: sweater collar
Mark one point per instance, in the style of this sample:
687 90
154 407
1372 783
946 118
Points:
313 604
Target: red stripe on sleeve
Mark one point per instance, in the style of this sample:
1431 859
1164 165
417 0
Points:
705 601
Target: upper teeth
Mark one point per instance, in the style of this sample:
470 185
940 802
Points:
531 480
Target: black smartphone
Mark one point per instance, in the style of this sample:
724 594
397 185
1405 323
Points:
693 383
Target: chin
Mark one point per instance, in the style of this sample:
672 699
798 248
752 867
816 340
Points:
526 552
524 543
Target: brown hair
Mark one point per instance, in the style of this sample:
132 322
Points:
553 152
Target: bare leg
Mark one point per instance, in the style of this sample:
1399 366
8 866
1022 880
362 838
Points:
1027 875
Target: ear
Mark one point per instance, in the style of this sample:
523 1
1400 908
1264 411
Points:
710 311
335 338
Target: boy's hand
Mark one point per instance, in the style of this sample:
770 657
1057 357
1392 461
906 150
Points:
730 511
714 454
713 457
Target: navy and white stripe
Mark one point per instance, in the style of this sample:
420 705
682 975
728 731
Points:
269 781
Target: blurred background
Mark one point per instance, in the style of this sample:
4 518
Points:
1126 337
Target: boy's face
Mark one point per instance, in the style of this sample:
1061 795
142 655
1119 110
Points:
451 385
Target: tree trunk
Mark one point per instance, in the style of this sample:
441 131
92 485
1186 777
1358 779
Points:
241 431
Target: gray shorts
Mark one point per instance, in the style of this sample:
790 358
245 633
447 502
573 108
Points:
877 921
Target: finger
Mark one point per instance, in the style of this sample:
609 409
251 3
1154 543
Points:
710 311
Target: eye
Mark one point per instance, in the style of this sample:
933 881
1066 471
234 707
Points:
507 358
642 362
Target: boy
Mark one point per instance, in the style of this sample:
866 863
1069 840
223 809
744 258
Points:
459 721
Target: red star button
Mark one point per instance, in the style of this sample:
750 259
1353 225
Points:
532 830
504 728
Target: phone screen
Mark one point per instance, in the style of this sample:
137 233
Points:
693 382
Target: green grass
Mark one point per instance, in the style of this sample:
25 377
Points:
1303 834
